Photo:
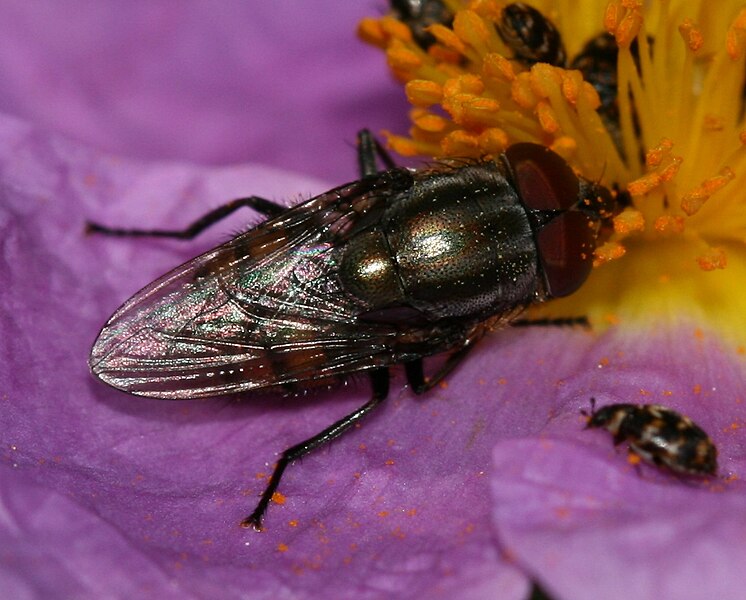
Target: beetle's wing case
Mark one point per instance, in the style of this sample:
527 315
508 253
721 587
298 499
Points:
264 309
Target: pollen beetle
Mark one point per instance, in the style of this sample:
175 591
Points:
418 15
659 435
597 61
397 266
531 36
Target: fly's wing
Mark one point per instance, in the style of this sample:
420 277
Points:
265 309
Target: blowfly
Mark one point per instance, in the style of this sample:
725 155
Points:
387 270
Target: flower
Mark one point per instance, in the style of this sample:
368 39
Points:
105 495
676 147
162 81
664 300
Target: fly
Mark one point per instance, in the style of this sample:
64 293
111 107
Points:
387 270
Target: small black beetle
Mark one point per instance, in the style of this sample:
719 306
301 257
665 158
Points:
418 15
531 36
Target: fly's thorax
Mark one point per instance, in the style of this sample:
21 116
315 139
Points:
463 244
459 244
478 239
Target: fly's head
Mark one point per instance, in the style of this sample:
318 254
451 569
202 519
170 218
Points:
569 215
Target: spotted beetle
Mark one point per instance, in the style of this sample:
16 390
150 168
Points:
658 435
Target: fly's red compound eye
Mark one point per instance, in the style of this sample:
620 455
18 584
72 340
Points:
566 246
543 178
566 241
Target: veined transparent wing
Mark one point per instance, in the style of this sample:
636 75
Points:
264 309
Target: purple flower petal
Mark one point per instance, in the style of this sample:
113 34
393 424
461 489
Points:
398 508
55 548
108 495
570 509
279 82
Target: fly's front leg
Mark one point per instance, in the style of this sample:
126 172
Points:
262 205
368 147
421 384
380 383
552 322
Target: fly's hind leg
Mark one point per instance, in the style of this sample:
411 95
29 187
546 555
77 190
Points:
261 205
380 382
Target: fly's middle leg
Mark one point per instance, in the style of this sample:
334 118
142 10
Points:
416 375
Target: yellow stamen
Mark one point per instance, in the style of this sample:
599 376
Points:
423 93
692 201
630 221
678 145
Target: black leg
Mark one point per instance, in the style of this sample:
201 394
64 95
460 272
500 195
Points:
261 205
589 414
380 383
552 322
368 147
416 376
414 369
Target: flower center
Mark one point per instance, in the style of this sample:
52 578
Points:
645 100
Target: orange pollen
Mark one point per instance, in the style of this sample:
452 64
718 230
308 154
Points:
423 93
735 40
694 200
669 224
633 459
691 34
629 221
608 252
623 18
713 258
